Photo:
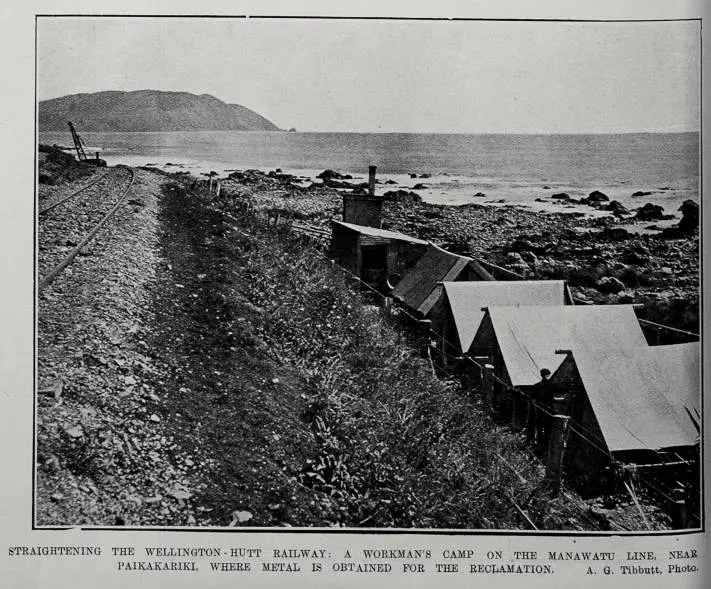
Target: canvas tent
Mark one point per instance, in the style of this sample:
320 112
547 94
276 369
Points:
643 398
420 288
523 340
638 405
520 341
463 302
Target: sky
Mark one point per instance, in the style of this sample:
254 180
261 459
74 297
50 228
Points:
394 76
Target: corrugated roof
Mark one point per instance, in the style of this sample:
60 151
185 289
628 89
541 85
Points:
467 298
419 289
529 336
384 233
643 397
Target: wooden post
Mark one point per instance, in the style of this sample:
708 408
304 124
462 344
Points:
680 512
371 180
514 409
488 386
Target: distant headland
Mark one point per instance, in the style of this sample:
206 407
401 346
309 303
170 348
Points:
148 110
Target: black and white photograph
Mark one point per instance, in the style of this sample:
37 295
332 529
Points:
367 274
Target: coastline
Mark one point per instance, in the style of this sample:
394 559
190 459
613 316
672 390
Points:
603 261
449 169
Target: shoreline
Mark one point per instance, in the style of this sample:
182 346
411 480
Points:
603 262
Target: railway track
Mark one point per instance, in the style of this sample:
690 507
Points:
63 234
57 202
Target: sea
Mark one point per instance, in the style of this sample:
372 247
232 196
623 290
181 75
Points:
454 169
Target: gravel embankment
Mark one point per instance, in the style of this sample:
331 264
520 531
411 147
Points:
102 455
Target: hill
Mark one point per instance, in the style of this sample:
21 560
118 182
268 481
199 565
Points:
148 110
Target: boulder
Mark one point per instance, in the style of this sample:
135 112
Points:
480 194
641 193
333 175
390 182
526 245
328 182
514 258
610 285
638 256
425 175
616 207
689 223
420 186
561 196
403 196
615 233
650 212
597 196
626 297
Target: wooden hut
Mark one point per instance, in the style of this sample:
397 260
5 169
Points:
421 287
518 342
638 405
373 254
458 313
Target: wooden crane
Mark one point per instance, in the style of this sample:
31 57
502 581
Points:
81 153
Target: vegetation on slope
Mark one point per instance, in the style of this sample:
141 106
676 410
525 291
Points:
313 407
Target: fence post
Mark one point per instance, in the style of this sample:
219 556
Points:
387 305
680 512
488 386
371 180
514 409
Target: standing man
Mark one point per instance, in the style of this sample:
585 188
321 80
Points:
541 407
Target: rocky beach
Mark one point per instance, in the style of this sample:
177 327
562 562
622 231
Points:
615 256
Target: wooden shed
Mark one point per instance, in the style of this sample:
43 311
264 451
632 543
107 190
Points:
421 287
638 405
373 254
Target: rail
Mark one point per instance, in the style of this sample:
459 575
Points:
57 270
72 195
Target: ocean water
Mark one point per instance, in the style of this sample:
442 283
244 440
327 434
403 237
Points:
518 169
